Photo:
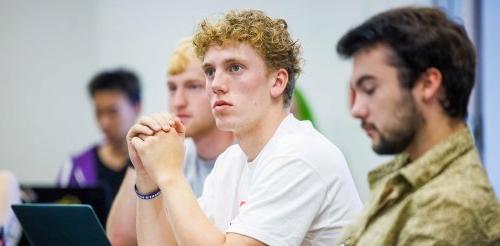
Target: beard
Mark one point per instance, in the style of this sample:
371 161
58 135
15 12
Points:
401 130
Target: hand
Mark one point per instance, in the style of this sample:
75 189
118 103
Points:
146 126
162 155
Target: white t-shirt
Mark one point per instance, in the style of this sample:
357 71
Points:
297 191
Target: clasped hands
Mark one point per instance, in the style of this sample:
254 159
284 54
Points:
156 147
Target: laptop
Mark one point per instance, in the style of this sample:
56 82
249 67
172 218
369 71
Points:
94 197
52 224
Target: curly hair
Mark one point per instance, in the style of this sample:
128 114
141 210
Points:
268 36
421 38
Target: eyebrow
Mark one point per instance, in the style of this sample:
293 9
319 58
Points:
190 81
206 65
194 81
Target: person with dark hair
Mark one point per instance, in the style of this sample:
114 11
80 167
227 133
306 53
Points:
413 72
283 183
116 95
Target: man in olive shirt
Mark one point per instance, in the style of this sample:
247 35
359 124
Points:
413 71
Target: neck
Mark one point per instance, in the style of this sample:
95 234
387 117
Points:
113 155
431 134
213 143
117 148
254 139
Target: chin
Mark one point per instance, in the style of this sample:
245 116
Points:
224 125
115 140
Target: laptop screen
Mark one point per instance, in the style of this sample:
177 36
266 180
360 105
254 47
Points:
94 197
52 224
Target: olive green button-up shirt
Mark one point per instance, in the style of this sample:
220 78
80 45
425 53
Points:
442 198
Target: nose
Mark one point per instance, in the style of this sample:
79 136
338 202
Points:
218 84
179 98
104 121
358 106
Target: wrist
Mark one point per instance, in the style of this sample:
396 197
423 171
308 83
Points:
147 196
170 180
144 184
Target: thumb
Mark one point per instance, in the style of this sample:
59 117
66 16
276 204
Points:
138 144
179 127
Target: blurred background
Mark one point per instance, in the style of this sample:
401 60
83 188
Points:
50 49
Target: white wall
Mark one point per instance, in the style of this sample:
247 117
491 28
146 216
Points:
49 51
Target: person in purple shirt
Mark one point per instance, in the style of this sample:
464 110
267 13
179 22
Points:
116 95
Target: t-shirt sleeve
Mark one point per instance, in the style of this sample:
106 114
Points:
282 203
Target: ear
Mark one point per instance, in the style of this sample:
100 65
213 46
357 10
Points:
352 96
279 82
429 84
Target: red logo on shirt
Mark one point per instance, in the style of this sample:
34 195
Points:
242 203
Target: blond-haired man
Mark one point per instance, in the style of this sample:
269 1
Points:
187 101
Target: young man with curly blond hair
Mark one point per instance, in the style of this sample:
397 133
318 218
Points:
282 184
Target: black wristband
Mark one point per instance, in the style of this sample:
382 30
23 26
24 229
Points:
148 196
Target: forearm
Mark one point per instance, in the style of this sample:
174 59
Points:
120 226
151 220
189 223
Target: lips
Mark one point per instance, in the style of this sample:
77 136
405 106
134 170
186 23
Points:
183 117
369 128
221 105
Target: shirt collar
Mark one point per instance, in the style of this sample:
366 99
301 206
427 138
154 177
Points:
420 171
438 158
379 173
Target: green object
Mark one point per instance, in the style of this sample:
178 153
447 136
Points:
302 110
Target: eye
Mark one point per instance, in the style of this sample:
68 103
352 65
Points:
369 91
368 88
195 86
209 72
172 88
113 111
234 68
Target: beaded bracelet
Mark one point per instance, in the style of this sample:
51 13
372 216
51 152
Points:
148 196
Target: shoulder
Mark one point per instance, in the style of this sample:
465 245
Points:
305 144
230 161
463 182
445 219
232 152
86 153
460 195
304 138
